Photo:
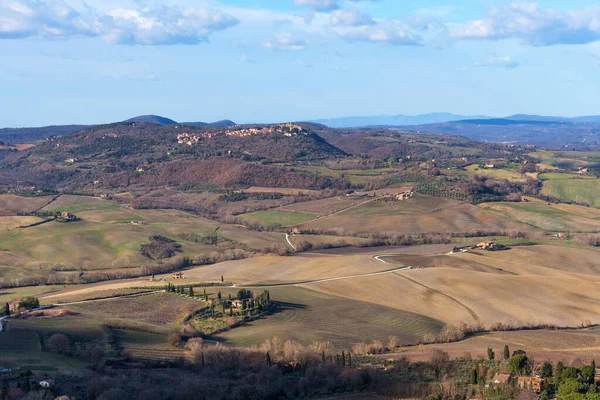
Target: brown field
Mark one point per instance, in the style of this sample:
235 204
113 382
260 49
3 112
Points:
289 191
11 204
159 308
12 222
326 240
324 206
571 346
418 215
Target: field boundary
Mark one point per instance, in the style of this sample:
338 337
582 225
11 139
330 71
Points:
463 305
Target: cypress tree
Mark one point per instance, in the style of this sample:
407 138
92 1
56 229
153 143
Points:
491 354
27 385
343 359
191 291
223 304
205 295
593 377
557 373
219 295
349 359
5 389
6 309
231 311
222 278
202 358
506 352
337 359
229 296
268 359
323 357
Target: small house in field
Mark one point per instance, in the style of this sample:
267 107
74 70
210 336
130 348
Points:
178 275
405 195
137 223
490 165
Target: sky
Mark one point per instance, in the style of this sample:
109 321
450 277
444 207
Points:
96 61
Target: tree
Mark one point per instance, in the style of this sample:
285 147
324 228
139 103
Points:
6 309
506 352
343 359
473 376
27 384
191 291
4 389
517 364
205 295
59 343
350 359
560 367
222 278
268 359
491 354
219 296
547 370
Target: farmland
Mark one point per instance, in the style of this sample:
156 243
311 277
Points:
11 204
500 173
277 218
421 214
551 217
574 190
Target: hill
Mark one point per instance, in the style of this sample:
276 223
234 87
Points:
28 135
153 119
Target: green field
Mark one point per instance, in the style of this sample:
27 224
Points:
75 204
552 176
277 218
308 316
550 217
576 190
496 173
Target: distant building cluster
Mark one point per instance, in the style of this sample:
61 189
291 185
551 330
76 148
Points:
287 130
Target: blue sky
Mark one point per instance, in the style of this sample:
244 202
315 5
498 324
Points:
93 61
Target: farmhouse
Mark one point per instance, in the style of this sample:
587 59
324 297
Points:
405 195
177 275
67 217
490 165
499 379
236 304
530 383
137 223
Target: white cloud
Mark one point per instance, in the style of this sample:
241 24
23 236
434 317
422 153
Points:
285 41
164 26
534 25
303 64
318 5
51 19
495 61
387 31
350 18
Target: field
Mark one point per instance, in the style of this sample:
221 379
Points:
324 206
277 218
551 217
161 309
105 238
496 173
575 190
571 346
76 204
287 191
421 214
308 316
11 204
553 176
147 346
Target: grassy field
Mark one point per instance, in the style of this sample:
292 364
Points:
277 218
8 223
76 204
576 190
420 214
147 346
324 206
308 316
551 217
105 238
11 204
496 173
553 176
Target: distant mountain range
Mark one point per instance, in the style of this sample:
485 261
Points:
436 118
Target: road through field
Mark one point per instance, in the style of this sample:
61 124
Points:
338 278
